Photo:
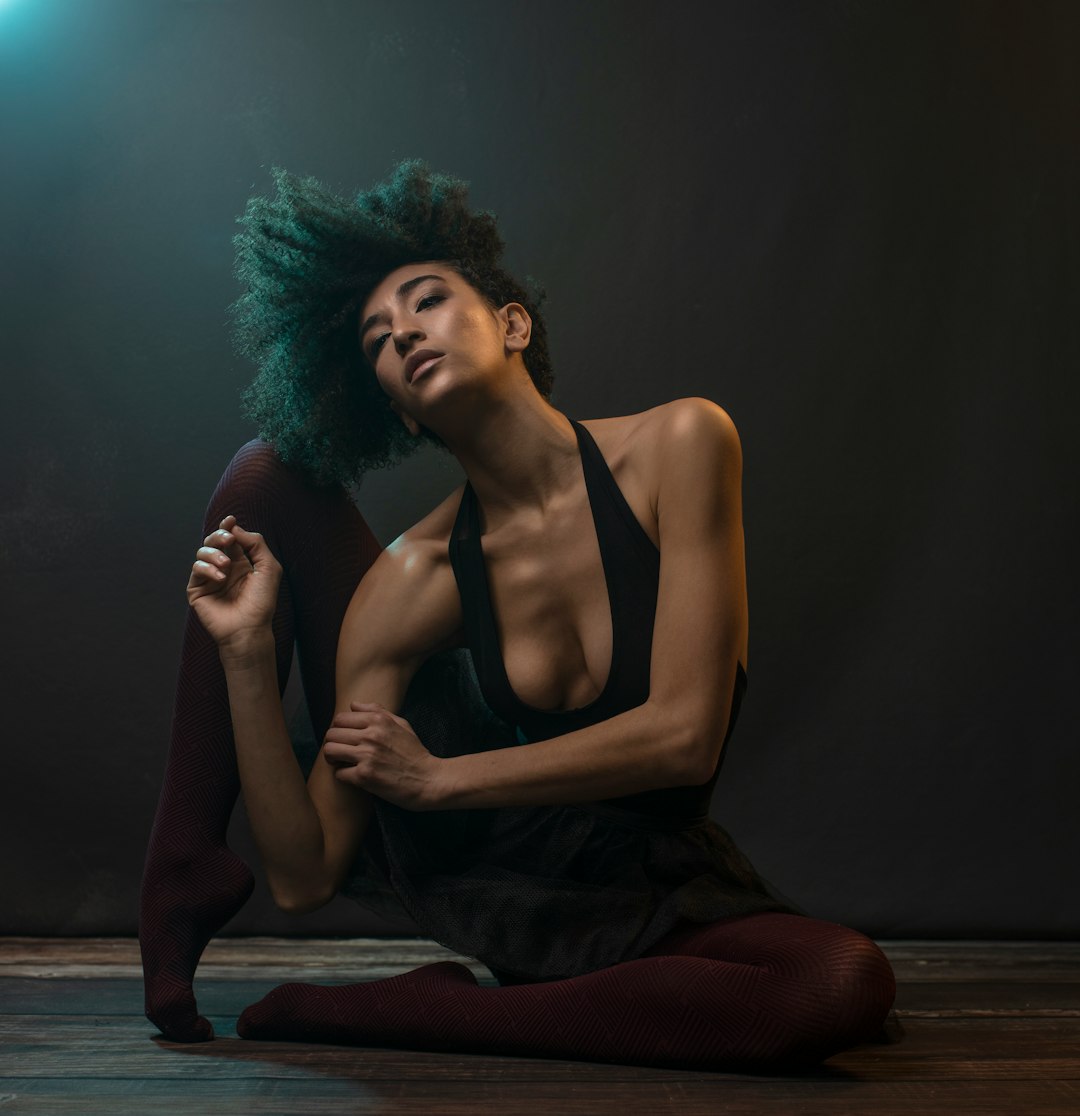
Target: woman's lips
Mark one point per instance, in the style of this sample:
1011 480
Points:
420 369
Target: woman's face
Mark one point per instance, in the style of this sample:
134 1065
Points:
425 330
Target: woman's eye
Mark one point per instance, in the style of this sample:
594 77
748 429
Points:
376 343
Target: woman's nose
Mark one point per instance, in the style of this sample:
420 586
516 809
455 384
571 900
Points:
405 336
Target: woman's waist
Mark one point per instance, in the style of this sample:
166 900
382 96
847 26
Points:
666 809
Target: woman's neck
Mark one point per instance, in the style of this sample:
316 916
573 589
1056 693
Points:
518 453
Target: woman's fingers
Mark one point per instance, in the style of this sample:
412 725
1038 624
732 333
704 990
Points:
339 755
211 566
351 736
237 542
225 532
213 560
253 547
204 572
358 718
373 710
374 707
225 541
343 741
211 556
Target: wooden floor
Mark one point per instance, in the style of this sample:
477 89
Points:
988 1028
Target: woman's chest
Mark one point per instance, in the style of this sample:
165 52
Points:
551 610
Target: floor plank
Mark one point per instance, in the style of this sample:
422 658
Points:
988 1028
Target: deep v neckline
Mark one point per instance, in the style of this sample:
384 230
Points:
631 566
488 603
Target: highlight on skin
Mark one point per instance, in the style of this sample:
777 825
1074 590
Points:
307 259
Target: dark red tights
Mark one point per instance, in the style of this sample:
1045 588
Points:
759 991
193 884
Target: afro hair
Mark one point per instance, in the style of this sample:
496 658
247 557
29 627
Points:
307 260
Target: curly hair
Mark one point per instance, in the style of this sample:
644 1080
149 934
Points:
307 261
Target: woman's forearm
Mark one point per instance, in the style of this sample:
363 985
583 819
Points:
285 823
642 749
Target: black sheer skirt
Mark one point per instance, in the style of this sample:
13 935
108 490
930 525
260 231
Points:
540 893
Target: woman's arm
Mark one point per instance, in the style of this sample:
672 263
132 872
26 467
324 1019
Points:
233 590
302 836
675 737
307 833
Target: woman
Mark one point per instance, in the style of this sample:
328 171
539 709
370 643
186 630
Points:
556 829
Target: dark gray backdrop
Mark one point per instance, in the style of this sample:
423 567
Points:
852 224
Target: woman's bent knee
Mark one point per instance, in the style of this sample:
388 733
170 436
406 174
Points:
260 489
831 987
849 1006
256 464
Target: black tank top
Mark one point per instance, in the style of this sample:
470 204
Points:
631 564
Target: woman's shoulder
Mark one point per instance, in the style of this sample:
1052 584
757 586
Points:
684 426
424 545
685 442
407 602
421 551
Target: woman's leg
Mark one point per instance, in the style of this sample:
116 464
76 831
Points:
192 883
763 991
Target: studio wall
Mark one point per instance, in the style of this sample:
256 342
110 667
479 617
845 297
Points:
852 225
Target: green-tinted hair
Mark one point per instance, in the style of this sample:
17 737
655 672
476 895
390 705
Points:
307 261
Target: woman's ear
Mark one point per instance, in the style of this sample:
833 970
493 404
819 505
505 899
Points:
518 327
410 424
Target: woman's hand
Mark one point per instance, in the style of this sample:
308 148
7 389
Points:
233 586
372 748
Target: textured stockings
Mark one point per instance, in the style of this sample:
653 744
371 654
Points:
764 991
192 883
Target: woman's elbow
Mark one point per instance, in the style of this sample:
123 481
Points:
694 751
690 747
296 900
698 762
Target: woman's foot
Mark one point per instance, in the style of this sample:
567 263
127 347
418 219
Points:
370 1014
180 912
